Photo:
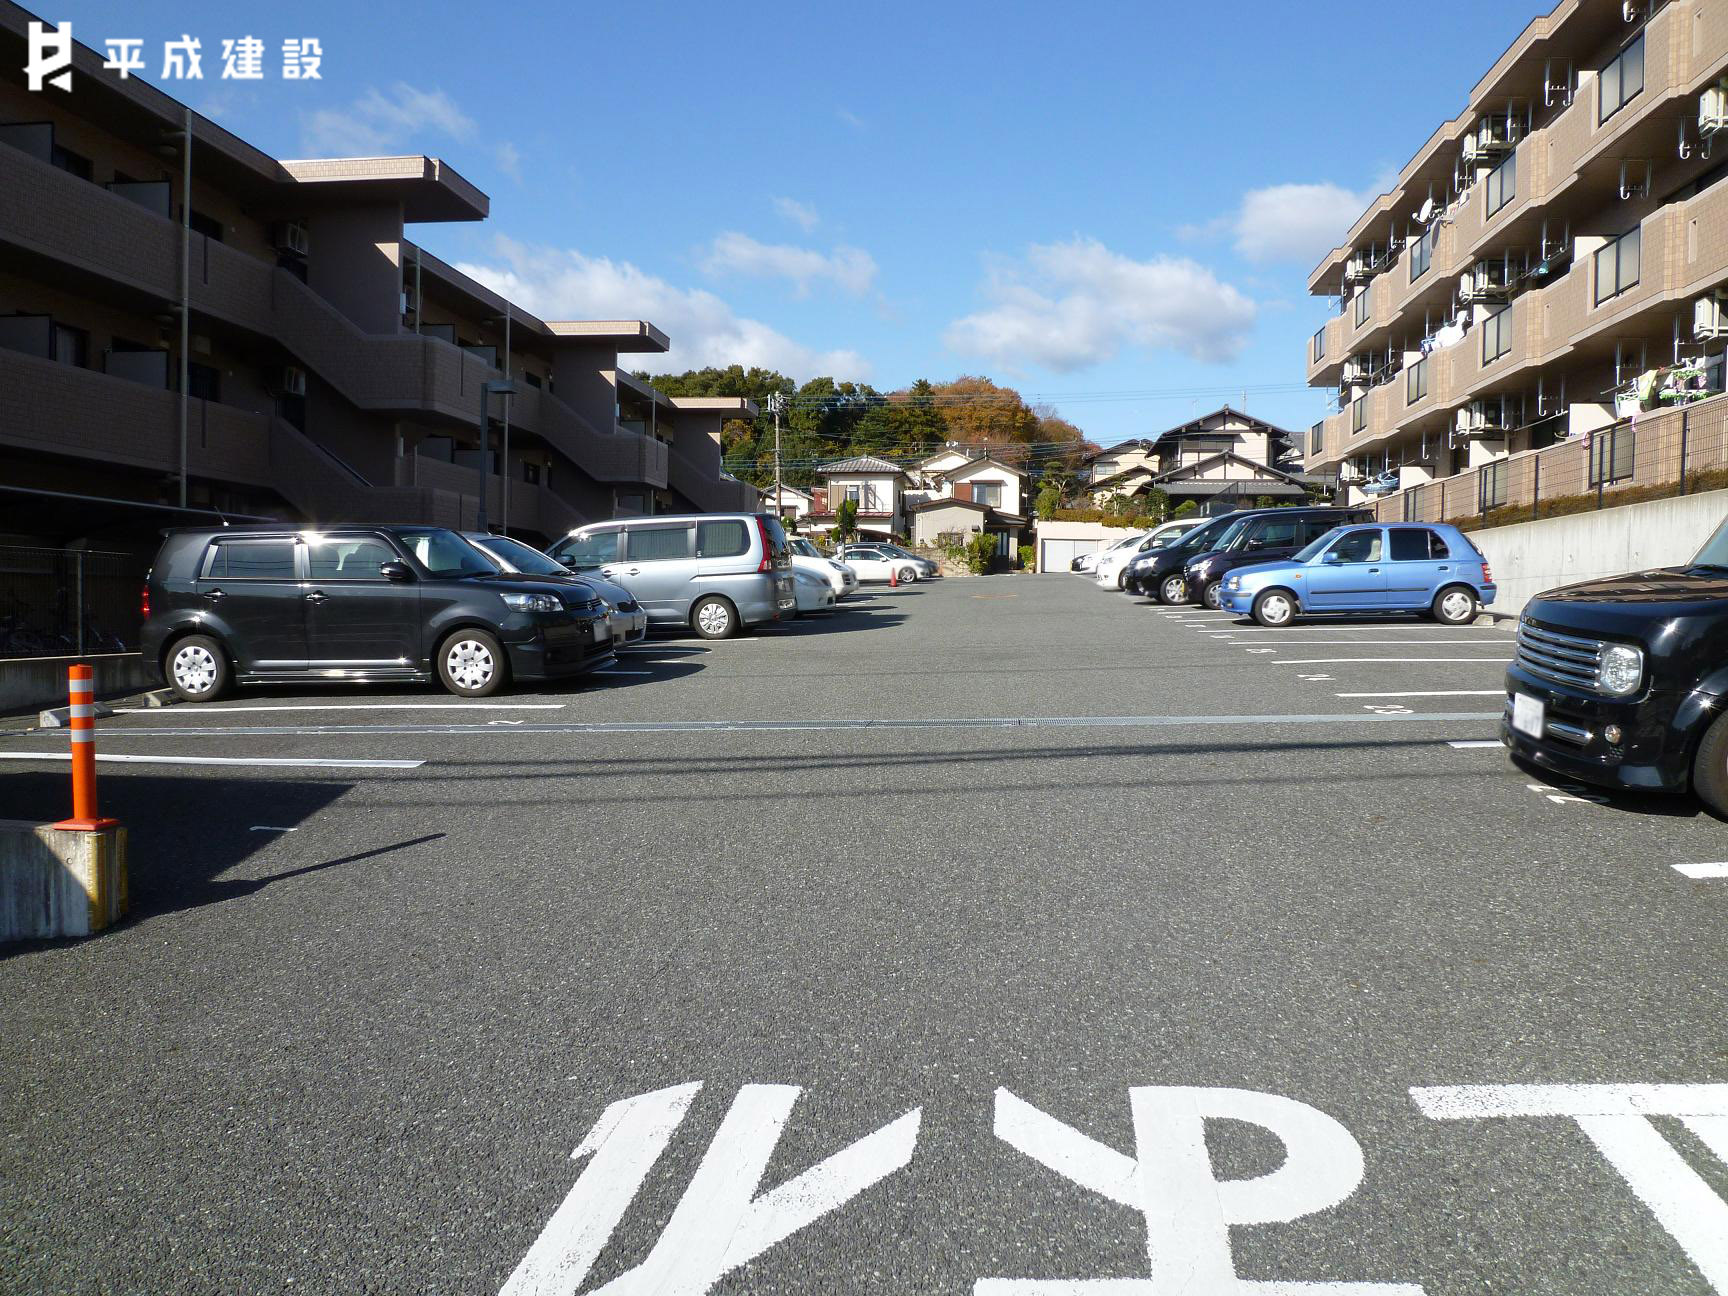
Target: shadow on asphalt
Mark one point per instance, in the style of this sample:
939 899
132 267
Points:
1667 805
184 833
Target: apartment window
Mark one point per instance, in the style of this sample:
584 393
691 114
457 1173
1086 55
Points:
1618 264
1611 455
203 382
987 493
1416 381
854 492
1496 335
1422 252
1502 184
208 226
1361 305
1317 348
1491 486
1358 414
532 377
1317 438
1621 80
71 346
74 163
531 473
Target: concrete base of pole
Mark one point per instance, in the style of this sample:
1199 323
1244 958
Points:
60 882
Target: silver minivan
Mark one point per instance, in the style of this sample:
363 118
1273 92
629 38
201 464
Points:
713 572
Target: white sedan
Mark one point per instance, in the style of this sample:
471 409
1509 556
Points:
806 557
1113 562
871 563
813 591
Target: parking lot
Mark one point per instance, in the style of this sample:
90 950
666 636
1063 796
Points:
1002 886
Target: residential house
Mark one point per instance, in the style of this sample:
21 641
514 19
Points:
968 495
794 505
1219 461
877 486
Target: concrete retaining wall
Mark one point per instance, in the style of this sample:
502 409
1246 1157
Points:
59 882
31 684
1535 556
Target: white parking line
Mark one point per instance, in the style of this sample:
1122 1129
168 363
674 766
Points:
622 672
1325 661
1433 693
386 706
1477 742
1702 871
312 762
1377 643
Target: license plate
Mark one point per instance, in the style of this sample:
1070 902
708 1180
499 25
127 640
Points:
1527 715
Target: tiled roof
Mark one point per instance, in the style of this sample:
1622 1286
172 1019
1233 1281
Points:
862 464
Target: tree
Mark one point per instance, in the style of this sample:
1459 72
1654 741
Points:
846 519
1184 508
1049 499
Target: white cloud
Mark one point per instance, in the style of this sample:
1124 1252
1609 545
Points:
564 283
847 268
1071 305
852 119
803 215
1296 222
379 123
509 160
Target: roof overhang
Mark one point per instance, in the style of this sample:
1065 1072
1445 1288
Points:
428 188
733 407
625 336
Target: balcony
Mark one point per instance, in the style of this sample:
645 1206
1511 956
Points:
58 409
1323 370
617 456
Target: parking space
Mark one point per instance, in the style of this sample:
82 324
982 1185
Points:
910 949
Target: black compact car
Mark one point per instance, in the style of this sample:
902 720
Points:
1623 682
1261 536
1159 574
275 603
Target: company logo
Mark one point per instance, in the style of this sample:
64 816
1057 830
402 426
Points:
243 58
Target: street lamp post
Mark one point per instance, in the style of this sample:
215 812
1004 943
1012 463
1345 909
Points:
487 391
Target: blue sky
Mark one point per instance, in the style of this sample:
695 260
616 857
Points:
1110 206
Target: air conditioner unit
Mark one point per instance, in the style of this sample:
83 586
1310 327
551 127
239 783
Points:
1485 281
1357 371
1471 149
1359 267
291 237
1495 136
293 380
1709 318
1713 110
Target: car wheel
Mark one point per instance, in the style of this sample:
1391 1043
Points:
1275 608
1710 768
1454 606
1121 580
197 669
906 575
714 618
1212 596
471 664
1173 590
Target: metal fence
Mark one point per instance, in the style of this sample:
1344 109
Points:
60 602
1649 456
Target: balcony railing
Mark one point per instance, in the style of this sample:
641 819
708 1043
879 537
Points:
1650 456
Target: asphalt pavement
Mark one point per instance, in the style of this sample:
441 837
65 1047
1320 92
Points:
1003 935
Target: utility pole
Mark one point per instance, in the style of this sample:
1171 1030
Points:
776 402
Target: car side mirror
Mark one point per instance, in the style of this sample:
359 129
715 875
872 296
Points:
400 572
1332 556
568 562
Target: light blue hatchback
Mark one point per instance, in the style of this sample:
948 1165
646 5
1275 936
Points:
1427 567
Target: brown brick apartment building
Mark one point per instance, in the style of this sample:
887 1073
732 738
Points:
1562 237
336 371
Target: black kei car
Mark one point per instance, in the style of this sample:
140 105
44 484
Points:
1623 682
1158 574
227 605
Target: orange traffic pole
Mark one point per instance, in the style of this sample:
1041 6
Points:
81 686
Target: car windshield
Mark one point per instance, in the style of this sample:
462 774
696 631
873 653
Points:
444 553
1314 546
1230 534
1204 535
804 549
523 557
1715 550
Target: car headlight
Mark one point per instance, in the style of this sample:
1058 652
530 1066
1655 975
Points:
532 602
1620 670
1232 582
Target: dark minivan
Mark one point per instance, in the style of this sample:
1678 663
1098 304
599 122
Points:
1263 536
1623 682
358 603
